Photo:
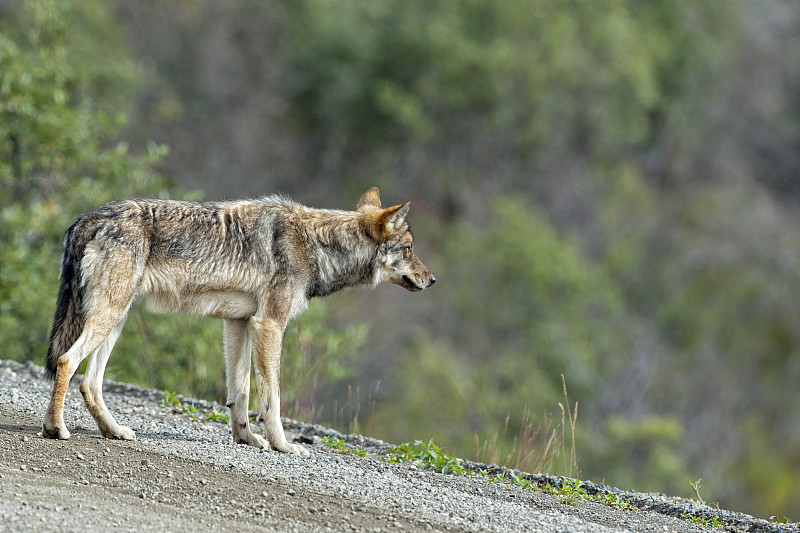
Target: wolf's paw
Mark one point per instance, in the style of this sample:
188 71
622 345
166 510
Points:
55 432
251 439
294 449
119 433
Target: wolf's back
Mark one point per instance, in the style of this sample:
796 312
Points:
68 320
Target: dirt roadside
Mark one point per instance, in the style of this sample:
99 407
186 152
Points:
90 482
184 474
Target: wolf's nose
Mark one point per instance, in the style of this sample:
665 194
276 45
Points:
432 280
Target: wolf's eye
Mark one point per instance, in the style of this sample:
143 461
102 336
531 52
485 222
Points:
406 252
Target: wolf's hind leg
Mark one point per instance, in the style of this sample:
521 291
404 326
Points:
238 349
95 332
92 388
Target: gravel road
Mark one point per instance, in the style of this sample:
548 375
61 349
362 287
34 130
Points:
183 473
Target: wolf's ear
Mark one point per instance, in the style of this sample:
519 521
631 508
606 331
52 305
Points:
371 198
393 218
382 223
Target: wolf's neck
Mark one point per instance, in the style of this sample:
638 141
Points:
341 256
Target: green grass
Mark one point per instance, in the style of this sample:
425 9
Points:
430 456
610 499
340 446
710 522
427 456
215 415
543 445
570 492
170 400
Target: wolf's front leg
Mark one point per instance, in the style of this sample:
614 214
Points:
238 347
267 334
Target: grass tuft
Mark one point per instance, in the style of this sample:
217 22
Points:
340 446
428 456
172 401
710 521
536 448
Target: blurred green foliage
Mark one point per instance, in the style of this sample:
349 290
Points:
59 157
607 190
629 258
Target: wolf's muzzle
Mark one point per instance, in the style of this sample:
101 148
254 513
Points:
416 286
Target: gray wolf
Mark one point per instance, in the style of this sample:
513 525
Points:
253 263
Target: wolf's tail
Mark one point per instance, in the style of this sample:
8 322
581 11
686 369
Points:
69 320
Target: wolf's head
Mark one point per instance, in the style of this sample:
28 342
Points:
388 227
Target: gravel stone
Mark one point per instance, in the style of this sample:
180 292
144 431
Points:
184 473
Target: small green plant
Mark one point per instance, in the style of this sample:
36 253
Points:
215 415
612 500
171 400
499 477
426 455
521 480
339 445
569 493
710 522
333 444
190 410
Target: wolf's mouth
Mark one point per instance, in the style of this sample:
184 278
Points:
409 284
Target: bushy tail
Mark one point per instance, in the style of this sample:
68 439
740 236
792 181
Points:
68 320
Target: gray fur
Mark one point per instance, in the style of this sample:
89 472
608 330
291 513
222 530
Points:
254 263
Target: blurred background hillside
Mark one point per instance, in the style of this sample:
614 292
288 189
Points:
608 190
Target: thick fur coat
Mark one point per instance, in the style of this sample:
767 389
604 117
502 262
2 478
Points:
253 263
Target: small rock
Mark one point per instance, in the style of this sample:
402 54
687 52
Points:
291 492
